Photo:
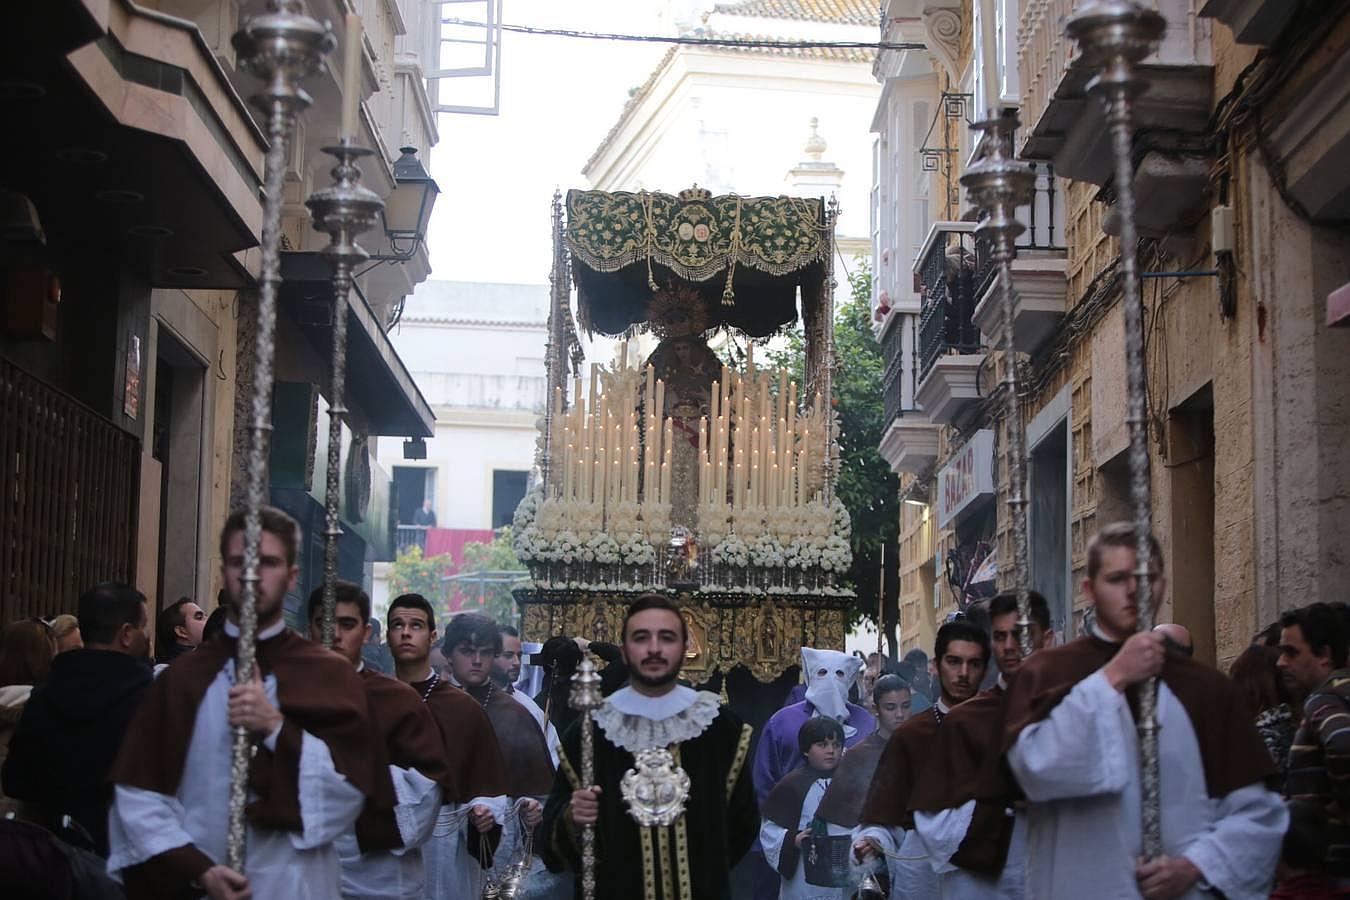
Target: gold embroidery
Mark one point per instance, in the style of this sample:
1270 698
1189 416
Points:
648 869
663 845
738 761
682 858
566 765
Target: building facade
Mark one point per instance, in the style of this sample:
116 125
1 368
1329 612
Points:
1243 248
476 352
754 121
130 261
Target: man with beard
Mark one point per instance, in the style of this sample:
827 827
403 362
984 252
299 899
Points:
691 858
885 827
468 825
505 673
964 806
1072 744
381 857
311 767
74 722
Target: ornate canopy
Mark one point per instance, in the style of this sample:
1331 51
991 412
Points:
745 256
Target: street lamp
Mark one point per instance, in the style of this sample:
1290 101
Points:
407 209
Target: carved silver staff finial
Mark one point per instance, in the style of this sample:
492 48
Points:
1113 36
999 185
343 210
586 699
281 46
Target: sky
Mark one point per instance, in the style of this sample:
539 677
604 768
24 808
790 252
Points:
559 98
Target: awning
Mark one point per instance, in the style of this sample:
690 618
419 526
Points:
378 384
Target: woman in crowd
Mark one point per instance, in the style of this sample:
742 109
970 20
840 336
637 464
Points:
25 658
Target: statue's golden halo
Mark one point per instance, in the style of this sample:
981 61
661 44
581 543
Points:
677 311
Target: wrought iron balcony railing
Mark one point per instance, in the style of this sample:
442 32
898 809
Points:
893 353
949 271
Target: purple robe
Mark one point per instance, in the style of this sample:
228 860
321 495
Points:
777 753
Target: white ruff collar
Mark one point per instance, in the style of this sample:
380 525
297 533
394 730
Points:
636 722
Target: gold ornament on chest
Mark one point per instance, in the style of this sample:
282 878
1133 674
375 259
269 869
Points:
655 789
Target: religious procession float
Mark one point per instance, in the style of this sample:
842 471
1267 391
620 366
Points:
684 472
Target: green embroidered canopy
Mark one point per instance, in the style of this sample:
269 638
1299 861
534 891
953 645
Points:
746 256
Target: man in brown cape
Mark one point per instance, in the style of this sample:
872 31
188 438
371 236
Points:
964 806
468 826
311 768
471 644
1072 744
885 826
382 857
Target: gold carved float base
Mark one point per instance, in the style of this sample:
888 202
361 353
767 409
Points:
762 634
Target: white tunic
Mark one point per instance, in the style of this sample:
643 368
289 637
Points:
451 870
941 834
773 836
394 874
1079 768
301 865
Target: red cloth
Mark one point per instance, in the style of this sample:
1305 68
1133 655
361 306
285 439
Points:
1308 886
452 541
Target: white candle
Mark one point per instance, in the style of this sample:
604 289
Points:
351 78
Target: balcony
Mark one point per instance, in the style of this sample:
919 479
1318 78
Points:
1038 272
1067 126
952 272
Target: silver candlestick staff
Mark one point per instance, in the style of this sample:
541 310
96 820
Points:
344 210
1113 36
586 699
999 185
281 46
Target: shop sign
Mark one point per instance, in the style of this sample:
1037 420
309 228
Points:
967 481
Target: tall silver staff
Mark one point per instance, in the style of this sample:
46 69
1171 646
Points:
1114 35
281 47
999 184
344 210
586 699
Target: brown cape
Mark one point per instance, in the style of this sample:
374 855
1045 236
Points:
407 738
475 760
902 762
783 807
529 765
1231 751
318 691
476 766
844 798
966 765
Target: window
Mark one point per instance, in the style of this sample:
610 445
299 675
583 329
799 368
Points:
508 489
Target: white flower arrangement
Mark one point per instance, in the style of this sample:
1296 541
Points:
836 556
565 548
802 554
602 549
528 544
767 553
636 550
526 511
732 551
843 524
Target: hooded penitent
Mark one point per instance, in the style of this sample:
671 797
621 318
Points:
829 675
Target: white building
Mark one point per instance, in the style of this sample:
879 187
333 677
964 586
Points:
738 119
476 352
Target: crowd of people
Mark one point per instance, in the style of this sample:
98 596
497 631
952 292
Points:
427 765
